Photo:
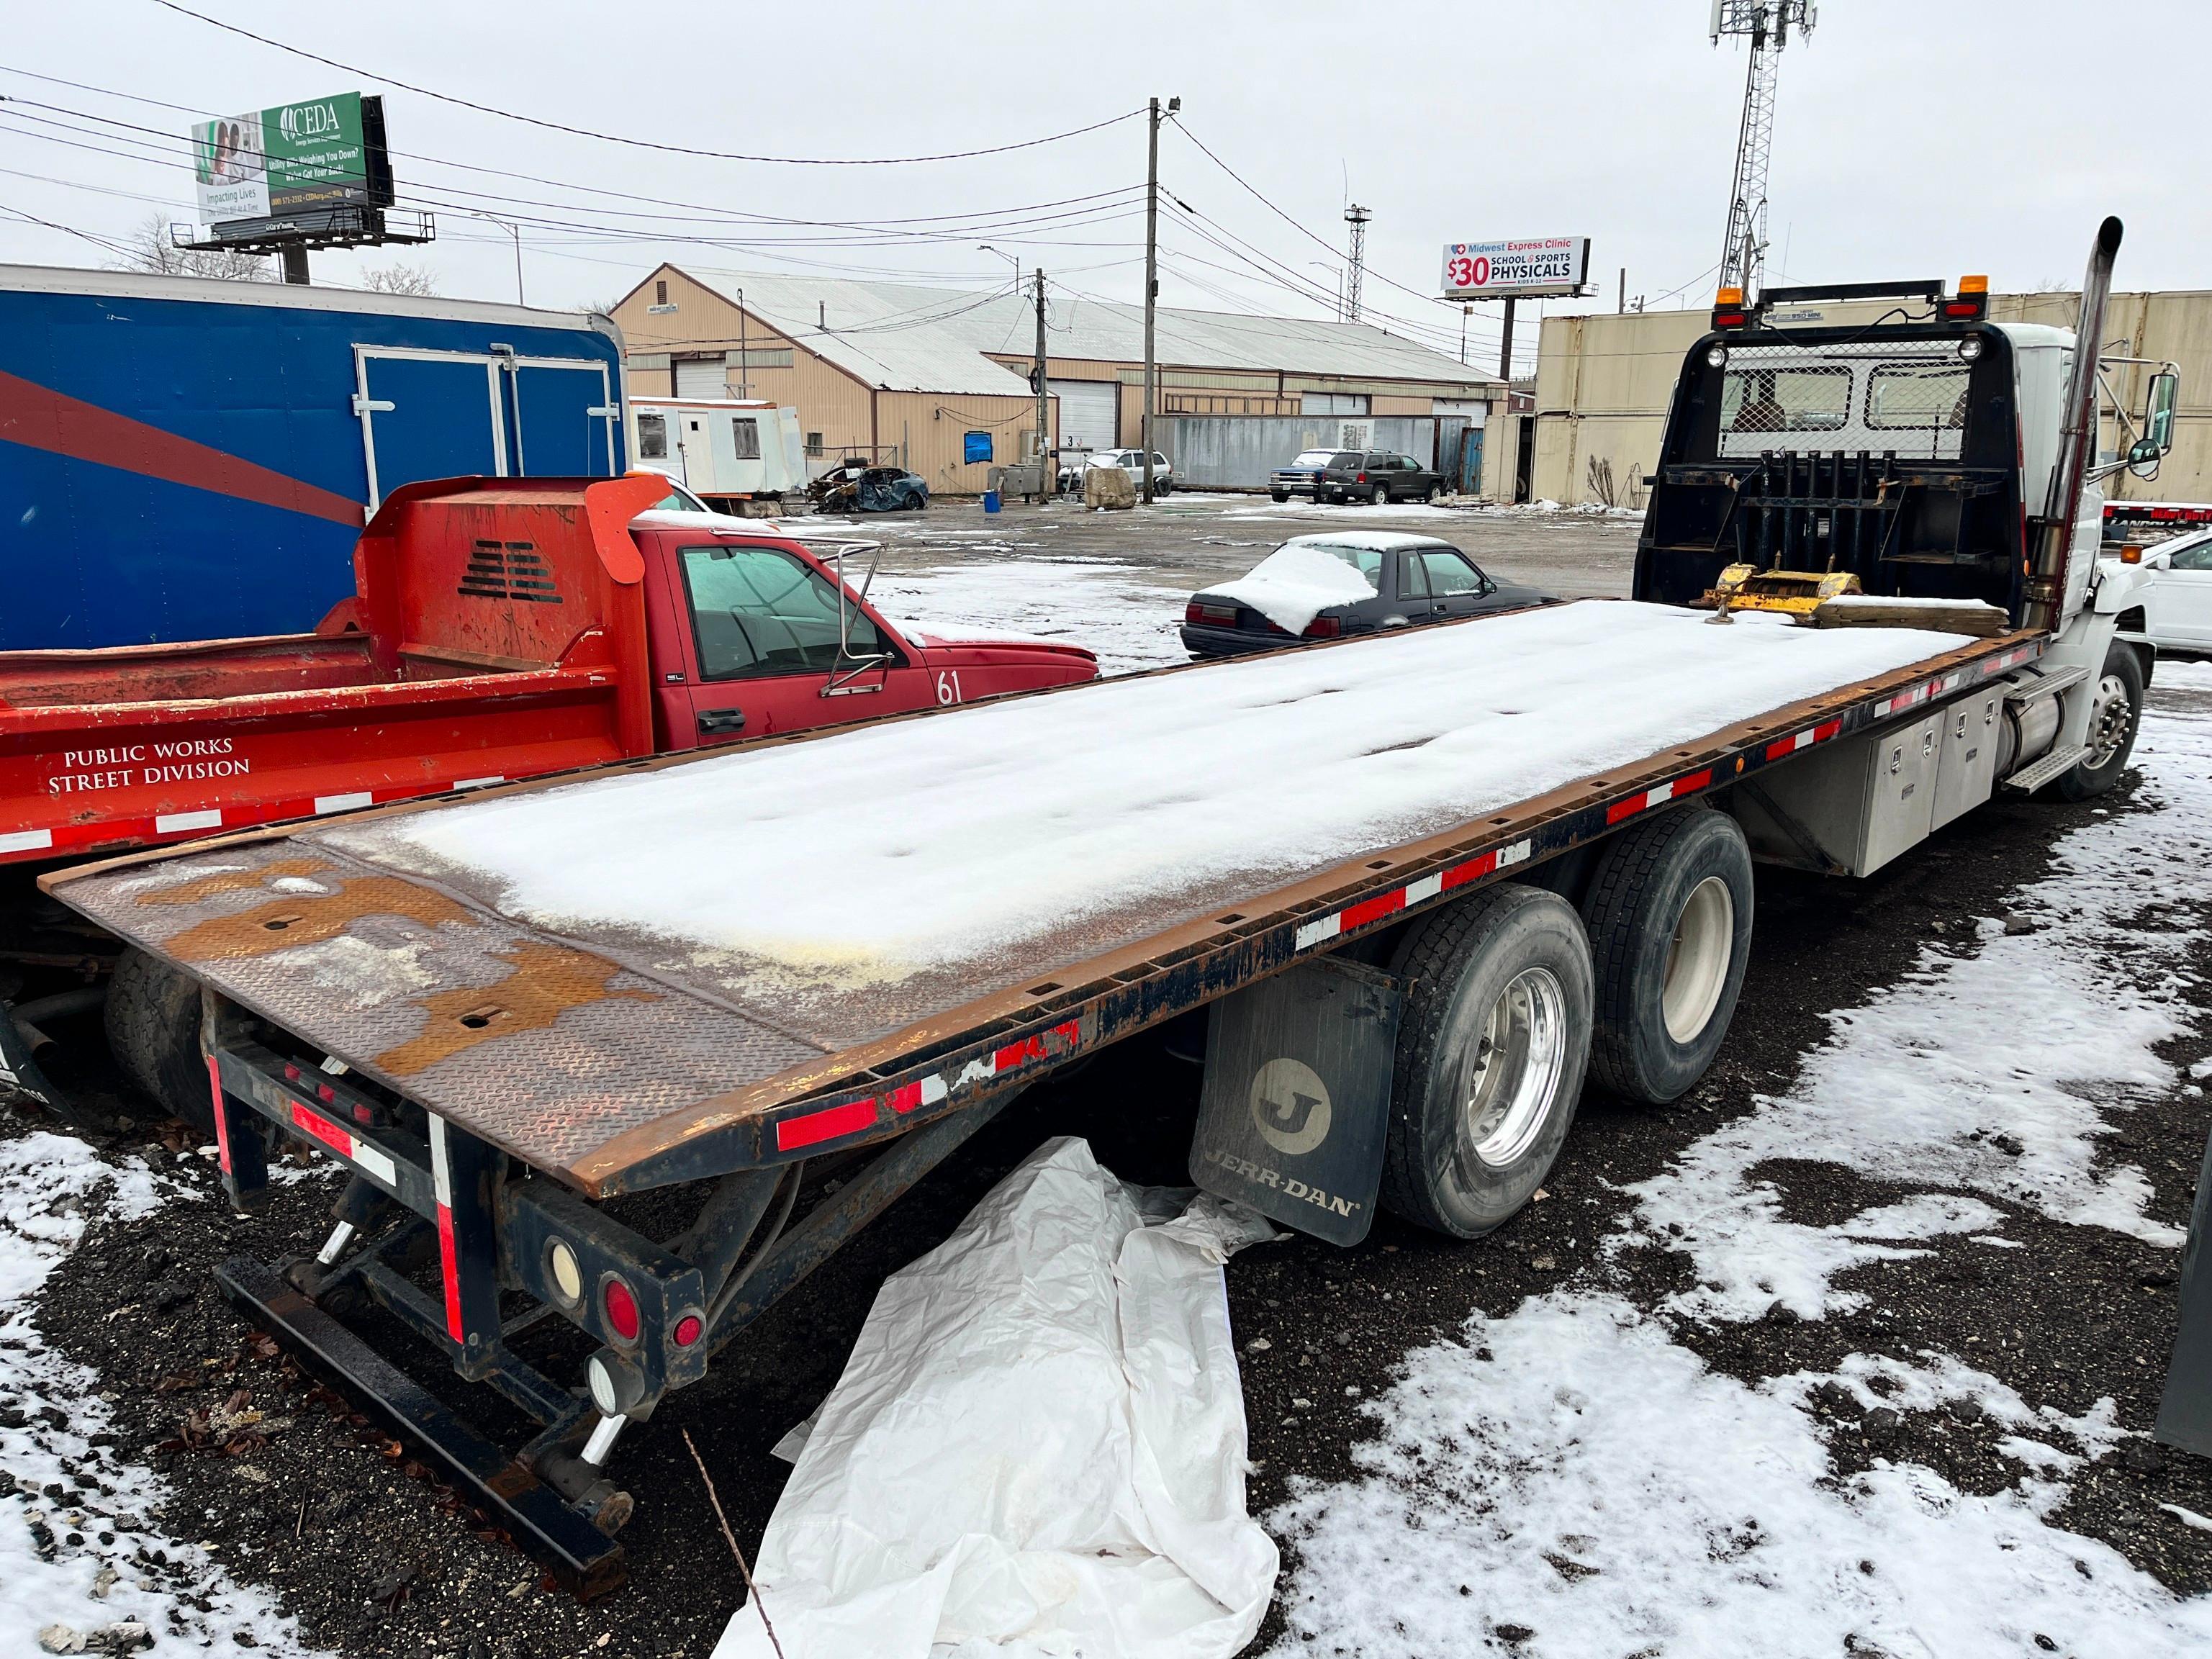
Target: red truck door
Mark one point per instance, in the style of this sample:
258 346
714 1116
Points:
761 646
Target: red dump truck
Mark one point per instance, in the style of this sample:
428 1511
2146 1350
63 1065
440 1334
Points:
500 629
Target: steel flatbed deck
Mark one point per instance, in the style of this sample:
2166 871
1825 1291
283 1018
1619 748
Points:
616 1068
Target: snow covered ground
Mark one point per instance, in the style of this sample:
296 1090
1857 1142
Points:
1126 616
1572 1479
83 1566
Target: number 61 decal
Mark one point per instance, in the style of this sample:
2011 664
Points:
948 688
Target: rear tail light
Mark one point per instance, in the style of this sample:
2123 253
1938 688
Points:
621 1305
1323 627
688 1330
1198 612
1728 308
1361 478
568 1277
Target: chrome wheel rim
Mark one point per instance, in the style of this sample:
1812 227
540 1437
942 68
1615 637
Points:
1512 1073
1698 960
2108 720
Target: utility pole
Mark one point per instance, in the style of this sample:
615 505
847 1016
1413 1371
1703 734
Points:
1356 216
1465 312
744 352
1152 274
1620 306
1506 348
1044 440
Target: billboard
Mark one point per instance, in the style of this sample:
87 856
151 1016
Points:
326 153
1499 271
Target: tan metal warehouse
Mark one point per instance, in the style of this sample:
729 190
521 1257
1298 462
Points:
904 371
1603 381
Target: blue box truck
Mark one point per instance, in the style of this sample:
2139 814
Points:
189 459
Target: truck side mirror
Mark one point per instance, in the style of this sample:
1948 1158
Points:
2158 410
2144 457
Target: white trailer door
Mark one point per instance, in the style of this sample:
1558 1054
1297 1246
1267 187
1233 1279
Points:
1089 413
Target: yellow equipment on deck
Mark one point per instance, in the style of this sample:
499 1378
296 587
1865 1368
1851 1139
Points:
1794 592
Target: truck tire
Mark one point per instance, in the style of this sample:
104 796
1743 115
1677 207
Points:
1491 1043
1381 497
153 1031
1278 494
1669 912
2114 716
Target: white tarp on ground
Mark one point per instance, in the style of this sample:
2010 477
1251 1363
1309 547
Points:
1038 1447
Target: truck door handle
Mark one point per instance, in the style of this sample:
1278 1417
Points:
711 721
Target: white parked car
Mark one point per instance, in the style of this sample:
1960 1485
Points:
2177 594
1131 461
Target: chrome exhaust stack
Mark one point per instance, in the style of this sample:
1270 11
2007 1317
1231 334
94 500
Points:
2050 564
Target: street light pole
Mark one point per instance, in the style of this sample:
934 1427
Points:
514 231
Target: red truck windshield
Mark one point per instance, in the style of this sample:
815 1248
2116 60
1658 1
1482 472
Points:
757 610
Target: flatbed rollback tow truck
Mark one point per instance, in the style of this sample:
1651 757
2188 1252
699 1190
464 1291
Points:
580 1153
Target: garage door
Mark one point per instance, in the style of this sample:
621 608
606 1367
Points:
1088 413
702 377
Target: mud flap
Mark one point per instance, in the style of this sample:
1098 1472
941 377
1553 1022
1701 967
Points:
21 1082
1295 1107
2184 1414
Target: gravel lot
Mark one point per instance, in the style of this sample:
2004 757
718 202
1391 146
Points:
1386 1532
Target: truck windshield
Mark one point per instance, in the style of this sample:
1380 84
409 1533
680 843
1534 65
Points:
756 610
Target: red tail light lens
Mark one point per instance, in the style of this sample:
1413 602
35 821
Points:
1223 616
688 1330
1323 627
621 1307
1361 478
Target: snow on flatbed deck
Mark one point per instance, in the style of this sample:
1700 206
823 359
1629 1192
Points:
874 855
558 967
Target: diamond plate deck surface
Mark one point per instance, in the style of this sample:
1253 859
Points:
546 1049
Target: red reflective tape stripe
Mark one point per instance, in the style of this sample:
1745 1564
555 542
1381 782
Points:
1625 809
904 1099
1694 782
221 1117
452 1266
1825 730
1367 910
825 1125
1071 1032
1473 870
1780 747
324 1130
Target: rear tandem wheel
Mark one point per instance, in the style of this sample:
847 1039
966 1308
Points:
1492 1045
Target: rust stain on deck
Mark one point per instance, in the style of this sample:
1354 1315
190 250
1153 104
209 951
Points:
232 881
548 981
293 919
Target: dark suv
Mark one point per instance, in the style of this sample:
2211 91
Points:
1355 474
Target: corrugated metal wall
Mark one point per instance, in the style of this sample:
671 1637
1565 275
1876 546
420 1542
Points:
1237 452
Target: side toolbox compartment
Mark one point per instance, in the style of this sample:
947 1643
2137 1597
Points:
1966 753
1849 808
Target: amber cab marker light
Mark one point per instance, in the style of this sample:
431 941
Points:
2131 554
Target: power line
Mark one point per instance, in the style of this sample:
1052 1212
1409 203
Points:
644 143
734 214
1071 212
67 230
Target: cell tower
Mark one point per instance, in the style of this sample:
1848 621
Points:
1766 24
1356 216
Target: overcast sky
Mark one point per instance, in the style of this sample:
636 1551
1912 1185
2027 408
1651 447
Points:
1912 140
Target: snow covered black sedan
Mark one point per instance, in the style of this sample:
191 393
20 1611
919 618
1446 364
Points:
1331 586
